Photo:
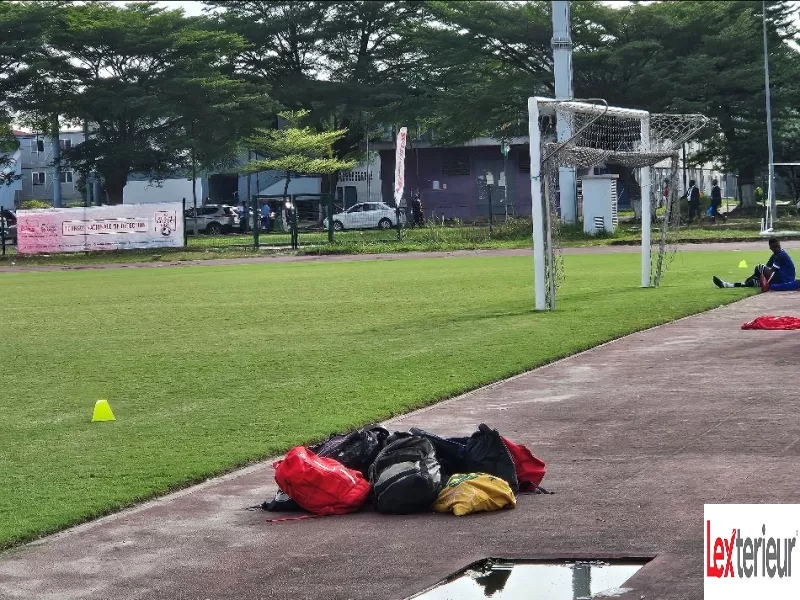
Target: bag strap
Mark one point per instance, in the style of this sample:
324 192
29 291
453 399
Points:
300 518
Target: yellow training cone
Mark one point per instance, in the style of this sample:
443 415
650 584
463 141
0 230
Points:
743 264
102 411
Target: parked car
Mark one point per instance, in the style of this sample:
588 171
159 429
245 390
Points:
366 215
212 219
9 225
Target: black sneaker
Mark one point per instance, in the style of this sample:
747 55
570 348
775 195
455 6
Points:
718 282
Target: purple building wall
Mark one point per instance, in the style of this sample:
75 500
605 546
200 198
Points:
459 171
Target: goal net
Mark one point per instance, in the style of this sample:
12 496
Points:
586 134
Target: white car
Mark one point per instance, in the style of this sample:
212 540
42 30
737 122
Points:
366 215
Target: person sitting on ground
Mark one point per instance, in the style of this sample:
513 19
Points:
778 275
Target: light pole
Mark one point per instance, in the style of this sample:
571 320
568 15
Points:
773 205
562 69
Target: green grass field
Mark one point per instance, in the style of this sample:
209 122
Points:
208 368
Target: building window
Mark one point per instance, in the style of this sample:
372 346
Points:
524 162
65 144
455 166
37 146
66 176
38 178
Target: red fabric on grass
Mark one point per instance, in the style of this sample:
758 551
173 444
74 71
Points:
775 323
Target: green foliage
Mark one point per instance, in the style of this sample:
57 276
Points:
478 62
153 85
297 149
33 204
8 144
349 63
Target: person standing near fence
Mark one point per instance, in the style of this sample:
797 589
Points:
244 215
266 225
416 211
716 202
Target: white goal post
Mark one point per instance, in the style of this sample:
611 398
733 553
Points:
599 134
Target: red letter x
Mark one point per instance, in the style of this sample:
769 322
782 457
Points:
729 552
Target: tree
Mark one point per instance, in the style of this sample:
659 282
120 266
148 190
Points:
128 72
296 149
343 62
8 144
478 62
704 57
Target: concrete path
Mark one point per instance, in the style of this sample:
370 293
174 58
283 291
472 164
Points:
287 258
637 434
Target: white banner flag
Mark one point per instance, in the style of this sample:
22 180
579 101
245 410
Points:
400 166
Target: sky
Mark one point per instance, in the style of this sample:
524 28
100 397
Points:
191 8
194 7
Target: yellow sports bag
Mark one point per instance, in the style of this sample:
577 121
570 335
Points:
474 492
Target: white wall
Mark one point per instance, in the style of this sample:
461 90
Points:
169 190
357 177
9 192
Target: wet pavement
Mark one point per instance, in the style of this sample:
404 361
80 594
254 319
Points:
637 434
503 580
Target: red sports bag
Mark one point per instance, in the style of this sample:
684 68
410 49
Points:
530 470
320 485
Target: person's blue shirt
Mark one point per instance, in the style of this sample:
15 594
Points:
265 211
783 266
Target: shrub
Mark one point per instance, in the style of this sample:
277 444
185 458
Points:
31 204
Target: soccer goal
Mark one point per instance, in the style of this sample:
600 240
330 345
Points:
595 134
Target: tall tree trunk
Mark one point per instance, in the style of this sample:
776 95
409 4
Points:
194 171
194 179
115 183
747 183
286 186
328 186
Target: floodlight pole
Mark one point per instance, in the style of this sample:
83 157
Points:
537 207
771 190
562 70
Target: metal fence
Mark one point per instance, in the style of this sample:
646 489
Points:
301 221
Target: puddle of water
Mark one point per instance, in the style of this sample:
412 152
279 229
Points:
535 581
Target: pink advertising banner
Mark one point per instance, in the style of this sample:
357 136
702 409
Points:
121 227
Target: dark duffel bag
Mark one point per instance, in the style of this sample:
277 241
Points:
405 477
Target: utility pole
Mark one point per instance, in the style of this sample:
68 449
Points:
87 193
369 175
56 165
683 148
562 69
773 205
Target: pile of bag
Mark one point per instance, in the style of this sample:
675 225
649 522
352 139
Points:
405 472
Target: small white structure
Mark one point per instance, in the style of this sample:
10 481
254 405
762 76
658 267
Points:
168 190
297 185
600 203
360 184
